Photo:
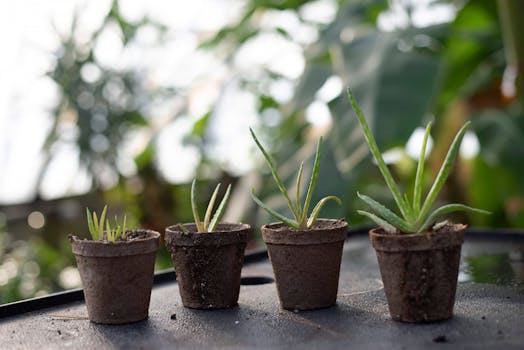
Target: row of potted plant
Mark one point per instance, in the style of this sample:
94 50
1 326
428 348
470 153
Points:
418 256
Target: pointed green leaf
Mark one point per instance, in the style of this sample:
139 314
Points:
124 232
102 219
402 205
274 172
109 233
198 223
117 229
409 207
90 225
280 217
220 210
312 181
385 213
299 183
443 173
380 222
96 224
419 177
446 209
316 210
210 206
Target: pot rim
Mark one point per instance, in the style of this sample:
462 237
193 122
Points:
238 233
191 226
137 246
289 236
449 235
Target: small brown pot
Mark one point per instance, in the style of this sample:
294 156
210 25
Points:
208 265
117 276
306 263
419 272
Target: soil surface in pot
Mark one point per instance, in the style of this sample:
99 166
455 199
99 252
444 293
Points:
419 272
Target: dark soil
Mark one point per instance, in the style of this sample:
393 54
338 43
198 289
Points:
319 225
131 235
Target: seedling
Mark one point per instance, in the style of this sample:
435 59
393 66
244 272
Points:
415 213
209 224
300 219
96 227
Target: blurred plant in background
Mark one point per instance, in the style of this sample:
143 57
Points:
145 105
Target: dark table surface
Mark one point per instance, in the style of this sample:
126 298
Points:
487 315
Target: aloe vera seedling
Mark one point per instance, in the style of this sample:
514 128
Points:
416 216
300 219
209 224
101 229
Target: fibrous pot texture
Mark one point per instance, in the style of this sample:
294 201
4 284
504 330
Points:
419 272
306 263
208 265
117 276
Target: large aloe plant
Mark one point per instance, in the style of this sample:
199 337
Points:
416 215
300 220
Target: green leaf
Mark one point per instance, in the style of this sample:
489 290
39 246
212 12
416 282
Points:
183 229
200 125
96 225
378 157
102 219
109 233
299 182
443 173
287 221
274 172
446 209
385 213
194 208
210 206
419 177
90 225
220 210
316 210
124 232
382 223
312 182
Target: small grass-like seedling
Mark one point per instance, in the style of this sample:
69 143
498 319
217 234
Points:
300 212
416 215
209 224
97 227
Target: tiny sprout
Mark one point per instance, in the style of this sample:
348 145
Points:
96 226
209 224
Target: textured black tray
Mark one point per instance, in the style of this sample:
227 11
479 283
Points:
486 316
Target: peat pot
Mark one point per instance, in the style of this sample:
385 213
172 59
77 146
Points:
208 265
419 272
306 263
117 276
